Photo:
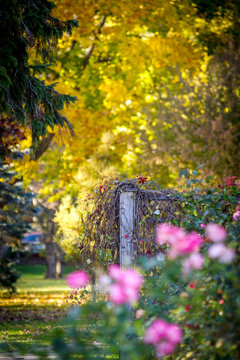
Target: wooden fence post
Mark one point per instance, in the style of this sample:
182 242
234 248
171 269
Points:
126 221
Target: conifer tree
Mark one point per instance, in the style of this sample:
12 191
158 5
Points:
27 30
27 26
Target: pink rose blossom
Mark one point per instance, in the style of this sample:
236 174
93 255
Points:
189 244
227 257
131 294
202 225
163 336
164 349
236 215
77 279
168 234
216 233
180 242
194 261
224 254
216 250
116 272
131 279
126 277
173 333
117 295
140 313
156 332
126 285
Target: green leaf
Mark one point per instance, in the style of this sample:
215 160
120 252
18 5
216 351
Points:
184 172
209 178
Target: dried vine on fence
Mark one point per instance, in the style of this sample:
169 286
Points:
154 205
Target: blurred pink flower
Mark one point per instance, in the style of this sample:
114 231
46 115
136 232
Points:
227 257
140 313
126 286
156 332
221 252
126 277
236 215
173 333
216 250
216 233
168 234
117 295
116 272
77 279
180 242
202 225
194 261
164 349
186 245
131 279
163 336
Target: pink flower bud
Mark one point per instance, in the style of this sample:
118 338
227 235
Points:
140 313
236 215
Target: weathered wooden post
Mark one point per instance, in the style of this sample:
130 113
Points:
127 212
127 204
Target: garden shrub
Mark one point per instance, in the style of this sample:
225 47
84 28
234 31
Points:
180 303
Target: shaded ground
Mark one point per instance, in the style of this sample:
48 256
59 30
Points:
32 317
33 313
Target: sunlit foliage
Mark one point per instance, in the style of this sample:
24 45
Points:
157 84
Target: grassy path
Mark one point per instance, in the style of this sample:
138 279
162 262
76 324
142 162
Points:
30 319
33 313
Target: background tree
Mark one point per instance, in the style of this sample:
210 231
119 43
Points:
16 208
28 106
27 27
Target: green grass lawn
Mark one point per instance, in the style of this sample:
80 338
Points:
31 318
32 280
33 313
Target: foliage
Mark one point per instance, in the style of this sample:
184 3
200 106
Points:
16 212
157 91
8 273
16 207
203 301
152 98
28 106
24 98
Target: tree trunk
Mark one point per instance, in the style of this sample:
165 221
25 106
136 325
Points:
50 260
59 256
